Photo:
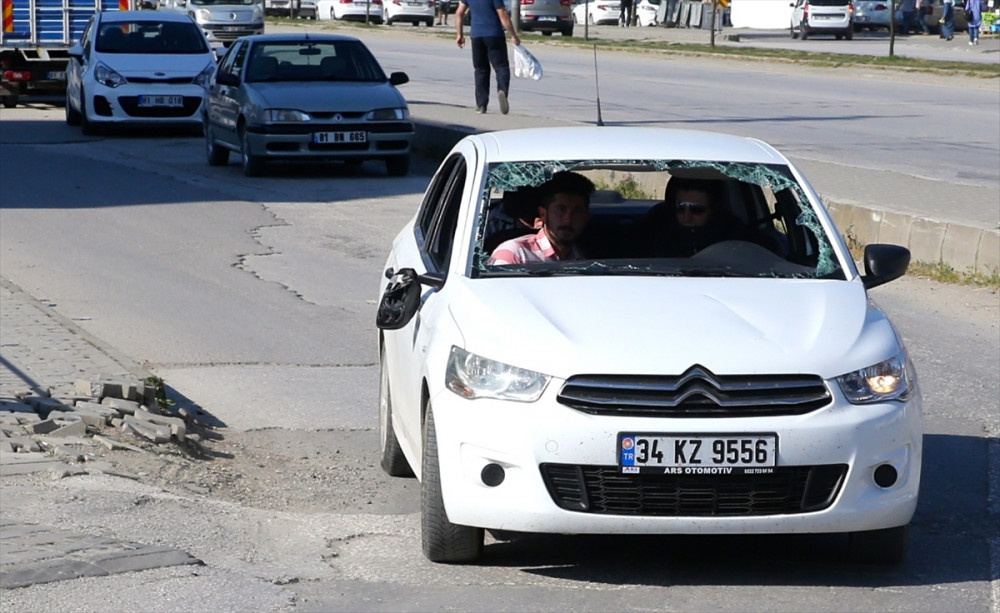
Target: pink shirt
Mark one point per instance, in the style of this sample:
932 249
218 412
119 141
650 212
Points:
529 248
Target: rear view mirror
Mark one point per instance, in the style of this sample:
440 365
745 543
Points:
400 301
884 263
227 78
398 78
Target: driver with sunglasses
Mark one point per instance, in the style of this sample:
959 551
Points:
688 220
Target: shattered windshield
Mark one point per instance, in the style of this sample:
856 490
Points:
649 217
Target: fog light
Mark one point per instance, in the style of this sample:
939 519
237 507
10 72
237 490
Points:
886 475
493 475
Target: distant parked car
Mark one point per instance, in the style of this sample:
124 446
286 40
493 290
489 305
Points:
412 11
138 67
355 10
872 14
306 97
810 17
547 16
597 12
646 12
307 9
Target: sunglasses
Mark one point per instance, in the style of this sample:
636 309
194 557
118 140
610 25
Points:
695 208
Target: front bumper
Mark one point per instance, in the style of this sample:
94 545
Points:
292 142
218 32
527 440
122 104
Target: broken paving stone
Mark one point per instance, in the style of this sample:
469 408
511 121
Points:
128 407
113 444
177 427
154 432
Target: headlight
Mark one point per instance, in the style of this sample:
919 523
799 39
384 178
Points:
204 77
893 379
107 77
387 114
286 115
202 15
258 14
471 376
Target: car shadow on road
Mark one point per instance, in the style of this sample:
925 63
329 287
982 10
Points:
950 540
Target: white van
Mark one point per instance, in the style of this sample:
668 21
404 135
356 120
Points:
222 20
811 17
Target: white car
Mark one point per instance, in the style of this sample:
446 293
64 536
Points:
138 67
811 17
412 11
753 387
352 10
597 12
646 11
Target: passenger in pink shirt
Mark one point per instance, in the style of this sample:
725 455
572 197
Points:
564 212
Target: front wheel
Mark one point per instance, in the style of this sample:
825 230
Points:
72 115
887 546
217 156
253 165
86 126
442 540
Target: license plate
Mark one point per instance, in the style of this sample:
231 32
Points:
57 75
340 137
715 454
232 28
161 101
547 18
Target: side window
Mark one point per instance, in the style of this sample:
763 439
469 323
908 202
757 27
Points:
433 196
226 65
441 238
85 37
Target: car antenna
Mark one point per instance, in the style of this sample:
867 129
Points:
597 84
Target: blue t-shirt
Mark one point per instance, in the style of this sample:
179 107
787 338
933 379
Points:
485 21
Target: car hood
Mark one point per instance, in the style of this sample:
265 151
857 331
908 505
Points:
323 96
147 65
649 325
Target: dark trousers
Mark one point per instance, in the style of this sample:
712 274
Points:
490 51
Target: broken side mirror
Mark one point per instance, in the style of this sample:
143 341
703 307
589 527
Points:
884 263
401 298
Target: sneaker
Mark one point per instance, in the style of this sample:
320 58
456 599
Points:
480 109
504 106
971 43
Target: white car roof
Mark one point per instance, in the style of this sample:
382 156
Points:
607 143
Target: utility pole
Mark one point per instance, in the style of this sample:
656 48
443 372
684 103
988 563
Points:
515 14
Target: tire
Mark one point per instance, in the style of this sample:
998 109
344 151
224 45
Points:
393 461
86 126
388 21
442 540
567 32
838 36
398 166
888 546
803 32
217 156
429 23
9 102
849 34
253 165
72 115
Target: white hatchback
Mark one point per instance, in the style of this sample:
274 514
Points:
727 378
138 67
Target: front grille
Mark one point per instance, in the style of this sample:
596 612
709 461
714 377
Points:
130 104
604 490
695 393
170 81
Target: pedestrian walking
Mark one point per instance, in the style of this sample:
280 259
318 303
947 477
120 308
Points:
625 13
489 21
948 20
974 15
923 10
907 8
444 7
